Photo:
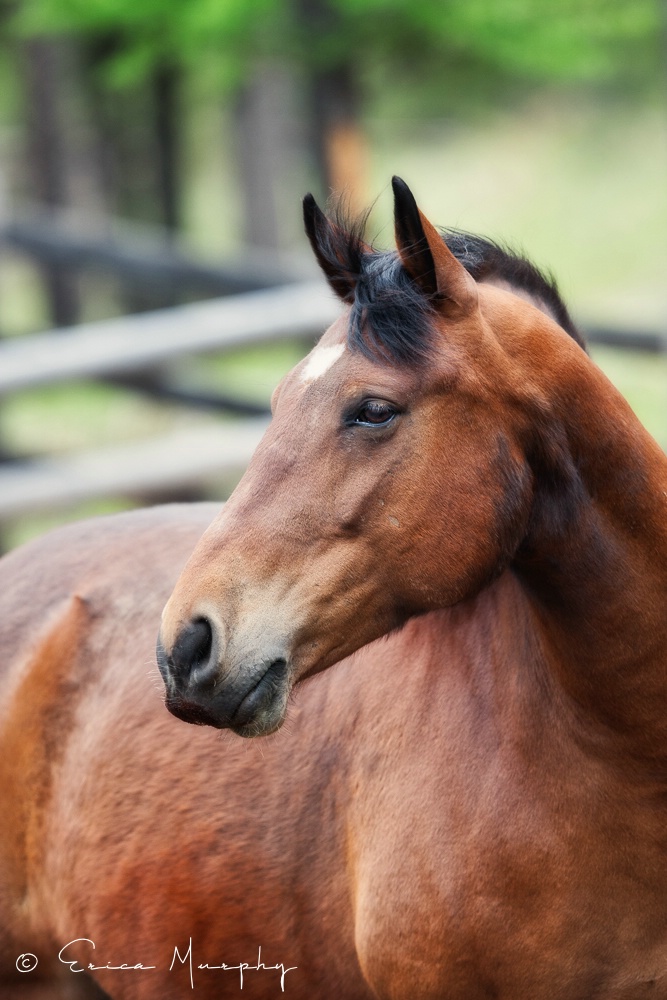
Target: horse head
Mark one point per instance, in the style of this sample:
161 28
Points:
394 479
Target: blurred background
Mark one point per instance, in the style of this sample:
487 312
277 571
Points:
154 280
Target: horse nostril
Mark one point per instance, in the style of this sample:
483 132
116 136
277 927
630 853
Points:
193 648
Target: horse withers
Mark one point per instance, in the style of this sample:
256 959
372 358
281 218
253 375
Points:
442 586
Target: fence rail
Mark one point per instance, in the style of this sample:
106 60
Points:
133 343
647 342
126 350
139 256
172 462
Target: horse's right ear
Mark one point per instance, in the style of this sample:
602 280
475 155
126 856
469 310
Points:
338 252
426 257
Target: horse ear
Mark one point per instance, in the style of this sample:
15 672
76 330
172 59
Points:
338 252
427 258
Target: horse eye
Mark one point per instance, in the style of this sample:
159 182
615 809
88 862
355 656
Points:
375 413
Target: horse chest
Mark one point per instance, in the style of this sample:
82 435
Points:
504 891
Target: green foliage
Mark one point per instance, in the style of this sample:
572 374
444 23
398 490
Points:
544 38
146 33
541 39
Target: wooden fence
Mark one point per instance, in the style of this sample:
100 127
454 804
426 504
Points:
135 344
138 256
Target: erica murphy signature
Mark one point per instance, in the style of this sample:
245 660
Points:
27 963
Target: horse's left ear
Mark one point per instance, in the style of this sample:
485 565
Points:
338 252
427 258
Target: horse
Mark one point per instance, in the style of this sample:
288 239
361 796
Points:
422 652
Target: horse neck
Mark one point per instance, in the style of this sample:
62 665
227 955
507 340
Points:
594 561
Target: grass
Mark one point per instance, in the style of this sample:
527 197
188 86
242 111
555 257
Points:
580 187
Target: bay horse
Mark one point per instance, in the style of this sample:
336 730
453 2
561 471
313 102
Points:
451 545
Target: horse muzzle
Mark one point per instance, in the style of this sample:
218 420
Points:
246 693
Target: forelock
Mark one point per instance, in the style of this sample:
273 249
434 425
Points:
392 320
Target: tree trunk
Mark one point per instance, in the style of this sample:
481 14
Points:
166 85
337 139
47 161
260 118
137 139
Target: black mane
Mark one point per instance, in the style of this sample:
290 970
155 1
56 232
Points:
487 260
391 317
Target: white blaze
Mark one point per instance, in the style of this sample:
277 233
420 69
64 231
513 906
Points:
320 361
